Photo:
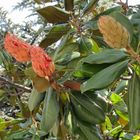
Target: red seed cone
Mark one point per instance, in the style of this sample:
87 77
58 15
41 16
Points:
42 64
19 49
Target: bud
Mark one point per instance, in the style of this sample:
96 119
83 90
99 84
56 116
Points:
115 35
19 49
42 64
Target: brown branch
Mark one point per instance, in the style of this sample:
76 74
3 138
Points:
27 89
133 54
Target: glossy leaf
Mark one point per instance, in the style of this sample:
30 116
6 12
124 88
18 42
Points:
105 77
50 111
87 70
135 20
92 24
25 112
98 99
67 53
85 131
55 33
68 57
5 124
54 14
109 11
86 45
61 48
105 56
80 134
88 7
119 106
90 131
121 86
17 135
29 72
35 99
134 102
87 110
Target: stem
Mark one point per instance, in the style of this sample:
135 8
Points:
133 54
27 89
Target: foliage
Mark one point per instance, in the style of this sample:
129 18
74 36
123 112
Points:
94 91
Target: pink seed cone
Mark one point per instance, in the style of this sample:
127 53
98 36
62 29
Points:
42 64
19 49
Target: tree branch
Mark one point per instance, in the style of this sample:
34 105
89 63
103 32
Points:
27 89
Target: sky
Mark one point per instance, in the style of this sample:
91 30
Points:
16 16
19 16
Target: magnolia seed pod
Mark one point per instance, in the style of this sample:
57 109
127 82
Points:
18 48
114 34
42 64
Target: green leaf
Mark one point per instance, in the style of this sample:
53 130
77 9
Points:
67 48
50 111
134 102
66 58
5 124
105 56
80 134
90 131
119 106
115 131
35 99
105 77
137 69
98 99
135 20
5 58
124 21
128 136
106 125
29 72
121 86
61 48
88 7
86 45
73 63
109 11
86 109
2 92
54 14
87 70
92 24
54 34
85 131
67 53
18 135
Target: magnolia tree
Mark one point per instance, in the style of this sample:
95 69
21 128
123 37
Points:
82 81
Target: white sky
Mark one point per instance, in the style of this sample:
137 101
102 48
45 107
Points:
16 16
19 16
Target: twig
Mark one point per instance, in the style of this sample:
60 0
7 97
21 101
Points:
133 54
27 89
